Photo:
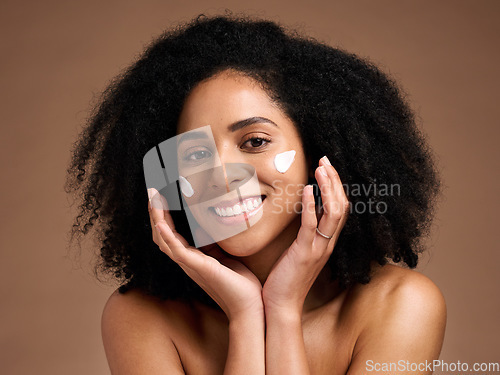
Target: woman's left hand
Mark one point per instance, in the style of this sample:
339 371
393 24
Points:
298 267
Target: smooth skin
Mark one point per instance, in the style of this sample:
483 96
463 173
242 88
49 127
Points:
281 313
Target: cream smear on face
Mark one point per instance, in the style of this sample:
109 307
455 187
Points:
186 187
284 160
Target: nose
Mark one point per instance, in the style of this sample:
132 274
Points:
231 173
229 176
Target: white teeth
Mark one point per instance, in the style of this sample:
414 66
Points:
239 208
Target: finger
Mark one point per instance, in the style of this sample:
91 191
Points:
153 229
343 204
159 208
157 238
337 206
328 223
189 257
308 218
214 251
160 213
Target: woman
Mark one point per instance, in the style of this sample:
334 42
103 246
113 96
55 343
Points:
306 288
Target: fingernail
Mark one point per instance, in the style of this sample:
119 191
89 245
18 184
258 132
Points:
307 190
322 170
325 158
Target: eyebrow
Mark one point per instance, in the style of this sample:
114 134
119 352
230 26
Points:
249 121
192 135
233 127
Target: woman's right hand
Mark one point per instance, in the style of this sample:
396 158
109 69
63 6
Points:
230 284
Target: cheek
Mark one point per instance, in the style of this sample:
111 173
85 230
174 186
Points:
192 187
283 161
289 165
279 164
186 187
287 173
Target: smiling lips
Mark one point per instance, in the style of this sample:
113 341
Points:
247 205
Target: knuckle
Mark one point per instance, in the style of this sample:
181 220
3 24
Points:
334 209
311 225
304 261
177 258
346 207
334 173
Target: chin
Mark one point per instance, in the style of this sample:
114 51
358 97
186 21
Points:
242 245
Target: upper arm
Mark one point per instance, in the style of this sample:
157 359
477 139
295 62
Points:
136 338
406 330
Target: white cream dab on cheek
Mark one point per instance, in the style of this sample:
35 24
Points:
284 160
186 187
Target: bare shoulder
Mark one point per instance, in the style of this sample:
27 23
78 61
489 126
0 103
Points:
134 308
136 335
395 292
396 286
403 314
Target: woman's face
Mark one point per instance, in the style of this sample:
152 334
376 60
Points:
245 168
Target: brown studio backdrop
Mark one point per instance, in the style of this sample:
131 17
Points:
57 54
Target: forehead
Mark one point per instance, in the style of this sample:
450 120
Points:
224 99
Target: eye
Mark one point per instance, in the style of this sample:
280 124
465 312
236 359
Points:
257 142
198 155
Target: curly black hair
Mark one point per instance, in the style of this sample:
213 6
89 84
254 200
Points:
342 105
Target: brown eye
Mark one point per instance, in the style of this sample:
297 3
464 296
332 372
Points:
257 142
